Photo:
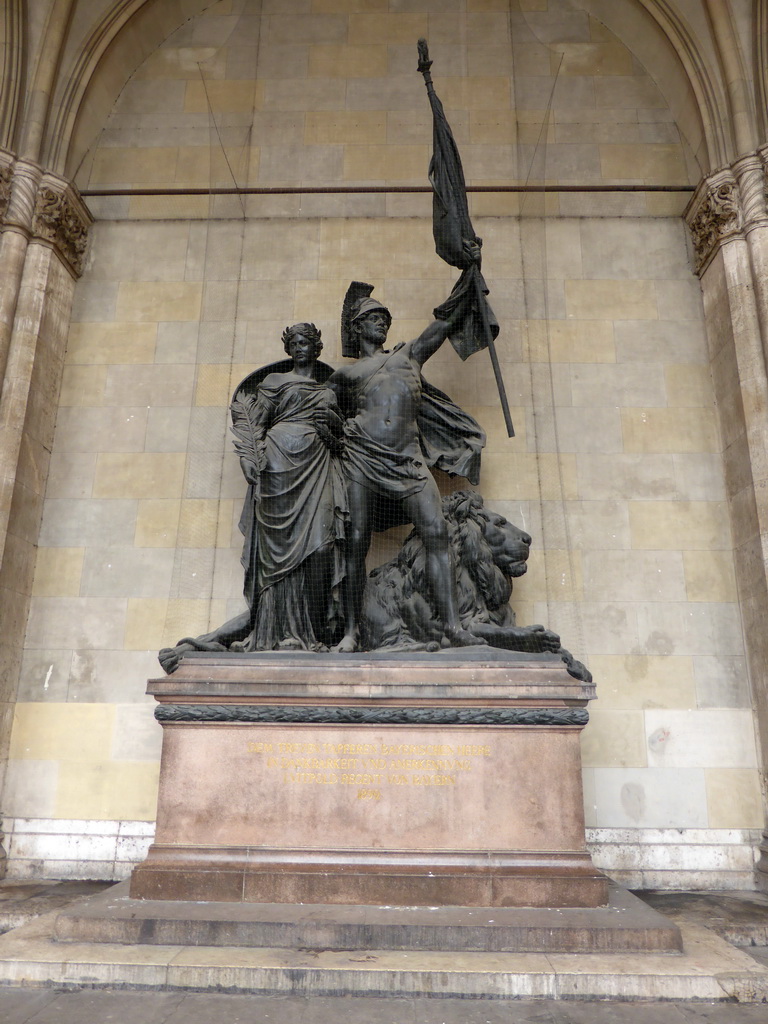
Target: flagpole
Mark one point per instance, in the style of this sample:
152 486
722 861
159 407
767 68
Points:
424 67
483 307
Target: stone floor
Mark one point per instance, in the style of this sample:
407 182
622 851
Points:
707 918
30 1006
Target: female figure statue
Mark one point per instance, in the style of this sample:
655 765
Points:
288 434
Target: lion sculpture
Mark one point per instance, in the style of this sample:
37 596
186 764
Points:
488 554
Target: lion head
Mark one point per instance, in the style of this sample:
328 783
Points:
489 550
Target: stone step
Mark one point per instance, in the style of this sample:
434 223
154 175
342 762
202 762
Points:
707 969
625 925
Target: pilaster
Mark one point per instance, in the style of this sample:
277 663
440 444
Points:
43 247
728 221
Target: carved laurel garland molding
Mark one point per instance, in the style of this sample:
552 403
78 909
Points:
320 715
62 219
713 215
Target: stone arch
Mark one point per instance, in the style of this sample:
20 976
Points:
684 65
11 76
760 63
95 75
676 59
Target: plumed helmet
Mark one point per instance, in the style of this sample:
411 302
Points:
357 303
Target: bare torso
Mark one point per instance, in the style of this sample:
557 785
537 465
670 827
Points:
383 393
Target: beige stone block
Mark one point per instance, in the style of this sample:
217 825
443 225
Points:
588 525
220 97
613 739
72 623
206 165
157 523
477 92
665 204
689 385
674 431
372 250
300 94
58 572
532 5
407 126
98 343
709 738
733 798
139 475
108 790
161 208
205 523
570 341
347 6
650 798
498 204
180 62
29 788
138 388
385 162
493 126
337 60
596 58
710 576
491 164
290 253
644 681
375 27
491 419
82 386
113 429
139 166
554 576
526 476
345 127
653 576
680 525
658 163
153 623
159 300
64 732
137 736
322 299
145 624
216 382
610 300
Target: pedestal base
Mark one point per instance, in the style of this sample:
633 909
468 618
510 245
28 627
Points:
451 779
626 925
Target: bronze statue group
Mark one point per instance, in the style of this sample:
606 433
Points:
332 456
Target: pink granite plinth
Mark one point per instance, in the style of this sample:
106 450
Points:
442 780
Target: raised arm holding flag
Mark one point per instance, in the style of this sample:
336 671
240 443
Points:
455 241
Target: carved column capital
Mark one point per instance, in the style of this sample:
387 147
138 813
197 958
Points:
714 215
45 207
62 220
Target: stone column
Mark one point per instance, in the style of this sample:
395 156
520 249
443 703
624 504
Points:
728 220
42 251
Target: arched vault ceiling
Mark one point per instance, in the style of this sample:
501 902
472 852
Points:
108 41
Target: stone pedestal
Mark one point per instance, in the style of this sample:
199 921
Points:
451 779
